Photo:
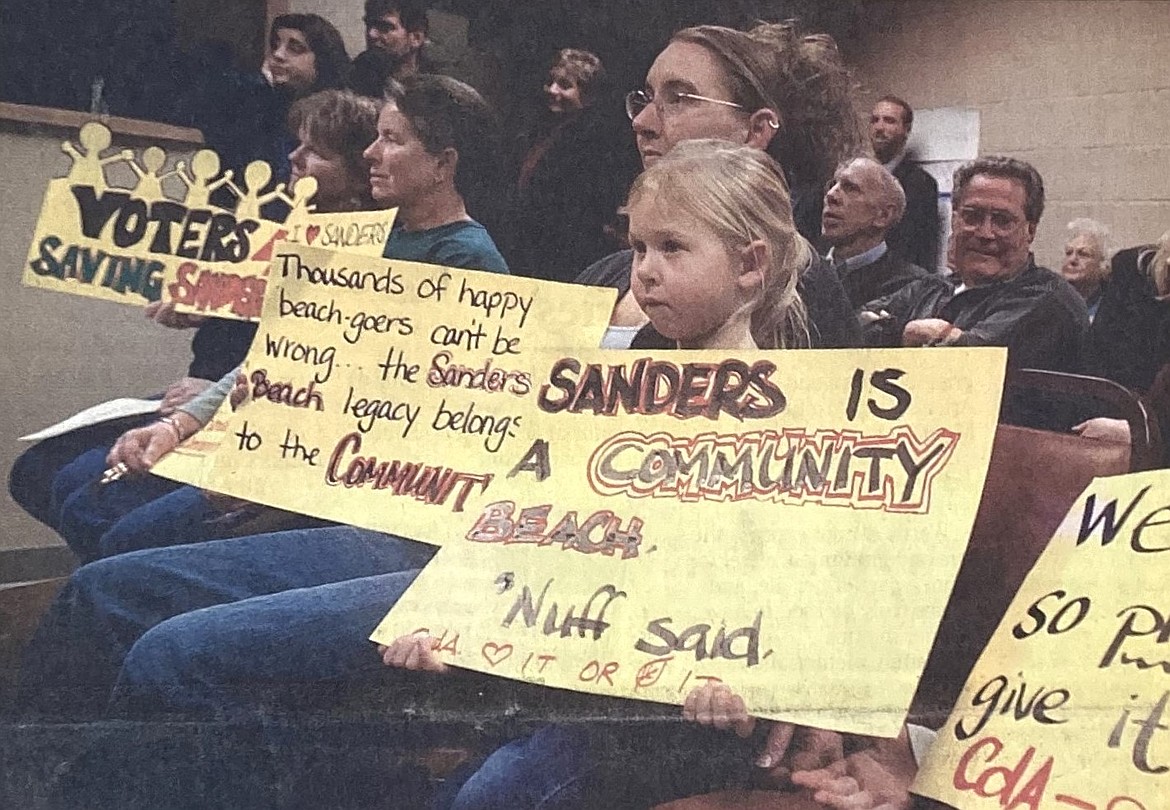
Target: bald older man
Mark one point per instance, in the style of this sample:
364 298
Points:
863 203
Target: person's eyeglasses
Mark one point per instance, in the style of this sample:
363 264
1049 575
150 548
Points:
668 101
1001 221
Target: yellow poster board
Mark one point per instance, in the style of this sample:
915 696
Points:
1069 705
780 555
138 244
427 363
627 523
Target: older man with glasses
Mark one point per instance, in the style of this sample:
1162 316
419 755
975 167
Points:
997 295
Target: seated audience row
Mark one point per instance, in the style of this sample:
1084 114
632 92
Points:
346 577
721 255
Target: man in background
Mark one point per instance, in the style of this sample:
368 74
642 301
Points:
396 31
916 236
861 206
997 295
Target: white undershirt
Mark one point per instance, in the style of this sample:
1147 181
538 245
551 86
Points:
619 337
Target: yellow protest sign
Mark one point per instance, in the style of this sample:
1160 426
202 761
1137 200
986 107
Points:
627 523
138 244
752 520
1069 705
359 356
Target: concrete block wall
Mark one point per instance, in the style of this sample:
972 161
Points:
1079 88
61 353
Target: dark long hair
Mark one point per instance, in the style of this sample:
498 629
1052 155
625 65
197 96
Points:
328 48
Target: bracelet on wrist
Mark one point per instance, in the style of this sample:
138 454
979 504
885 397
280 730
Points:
174 425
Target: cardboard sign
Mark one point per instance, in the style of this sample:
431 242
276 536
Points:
430 364
767 539
136 245
627 523
1069 705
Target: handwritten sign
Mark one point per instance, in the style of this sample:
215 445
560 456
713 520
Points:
360 232
752 520
1069 705
431 368
625 523
136 245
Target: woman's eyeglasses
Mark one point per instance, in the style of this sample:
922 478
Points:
667 102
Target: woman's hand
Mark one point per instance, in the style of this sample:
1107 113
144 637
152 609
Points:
137 450
417 652
164 314
182 392
240 390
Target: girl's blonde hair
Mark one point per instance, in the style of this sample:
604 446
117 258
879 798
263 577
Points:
740 193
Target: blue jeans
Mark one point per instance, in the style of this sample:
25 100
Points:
211 628
606 764
30 482
101 520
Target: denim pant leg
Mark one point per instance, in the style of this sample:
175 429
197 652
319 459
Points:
177 518
535 771
30 482
291 649
87 509
74 658
632 765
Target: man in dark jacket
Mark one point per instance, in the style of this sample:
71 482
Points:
997 296
862 204
915 237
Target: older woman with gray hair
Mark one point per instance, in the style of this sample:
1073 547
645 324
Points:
1129 341
1086 260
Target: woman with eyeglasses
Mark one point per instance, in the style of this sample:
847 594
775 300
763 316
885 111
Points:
571 166
769 88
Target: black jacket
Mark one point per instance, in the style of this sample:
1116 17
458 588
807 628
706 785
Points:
1037 315
557 220
915 237
1130 337
878 279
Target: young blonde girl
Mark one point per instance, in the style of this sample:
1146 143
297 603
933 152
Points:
716 255
716 258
